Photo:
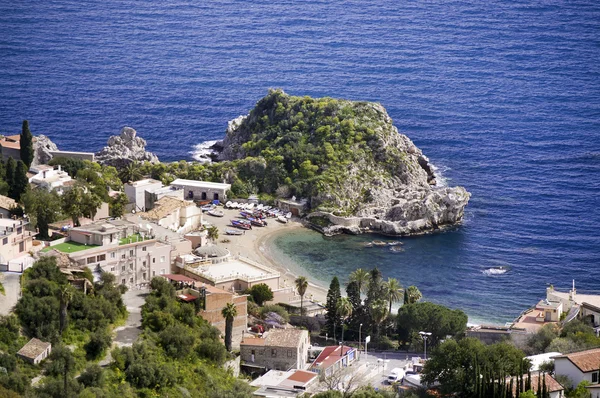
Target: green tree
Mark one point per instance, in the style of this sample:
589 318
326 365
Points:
301 286
176 340
406 298
393 289
333 296
361 277
20 182
131 172
26 143
414 294
260 293
213 233
229 312
92 376
43 207
11 169
343 310
437 319
379 313
99 342
62 363
117 204
66 294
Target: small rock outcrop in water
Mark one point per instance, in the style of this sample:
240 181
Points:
42 146
359 173
124 149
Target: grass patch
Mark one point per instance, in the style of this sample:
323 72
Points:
132 239
69 247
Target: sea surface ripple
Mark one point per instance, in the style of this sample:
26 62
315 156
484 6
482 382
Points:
503 96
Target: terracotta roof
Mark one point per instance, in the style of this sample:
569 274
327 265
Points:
10 144
165 206
586 361
7 203
288 338
16 137
188 298
551 384
33 348
331 355
302 376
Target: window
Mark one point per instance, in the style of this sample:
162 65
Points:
4 241
122 281
19 230
273 352
102 257
131 280
144 276
162 259
130 253
122 268
162 271
91 260
131 267
113 255
153 261
123 256
153 273
289 353
112 269
144 248
594 377
143 263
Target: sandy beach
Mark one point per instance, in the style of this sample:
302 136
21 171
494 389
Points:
254 244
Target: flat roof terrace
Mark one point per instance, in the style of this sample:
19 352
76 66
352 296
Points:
200 184
236 268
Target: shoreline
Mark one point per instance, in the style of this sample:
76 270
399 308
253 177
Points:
256 243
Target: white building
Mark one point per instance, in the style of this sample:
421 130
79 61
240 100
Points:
202 190
50 178
120 247
579 366
6 204
136 192
35 351
181 216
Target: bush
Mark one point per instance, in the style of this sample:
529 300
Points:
260 293
92 376
213 351
277 309
99 342
385 343
253 309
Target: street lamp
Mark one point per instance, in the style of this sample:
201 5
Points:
424 335
359 338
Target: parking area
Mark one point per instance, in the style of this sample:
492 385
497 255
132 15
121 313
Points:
382 363
12 287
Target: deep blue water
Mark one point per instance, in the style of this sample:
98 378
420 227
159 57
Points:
503 96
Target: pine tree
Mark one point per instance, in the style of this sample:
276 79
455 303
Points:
333 296
11 168
21 182
26 142
539 387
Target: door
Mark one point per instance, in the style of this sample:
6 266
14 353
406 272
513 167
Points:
203 195
216 196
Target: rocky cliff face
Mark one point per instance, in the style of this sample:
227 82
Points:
124 149
359 172
42 147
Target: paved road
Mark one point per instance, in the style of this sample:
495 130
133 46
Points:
12 286
127 334
391 360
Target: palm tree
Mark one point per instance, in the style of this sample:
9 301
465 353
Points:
393 290
301 286
229 312
213 233
414 294
131 172
66 294
379 312
344 310
361 277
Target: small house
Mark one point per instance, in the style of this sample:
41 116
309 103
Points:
35 351
579 366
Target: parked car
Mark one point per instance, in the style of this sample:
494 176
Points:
395 376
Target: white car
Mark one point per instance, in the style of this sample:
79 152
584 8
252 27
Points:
395 376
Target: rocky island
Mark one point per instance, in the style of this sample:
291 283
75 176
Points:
357 171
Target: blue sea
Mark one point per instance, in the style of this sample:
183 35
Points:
503 96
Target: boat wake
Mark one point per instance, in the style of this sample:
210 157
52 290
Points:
495 271
203 151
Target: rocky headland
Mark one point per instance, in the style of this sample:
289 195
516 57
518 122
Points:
125 148
357 171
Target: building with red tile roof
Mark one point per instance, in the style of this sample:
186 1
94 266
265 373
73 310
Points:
579 366
333 358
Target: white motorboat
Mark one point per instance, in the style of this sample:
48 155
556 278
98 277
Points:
282 219
216 213
288 215
228 204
